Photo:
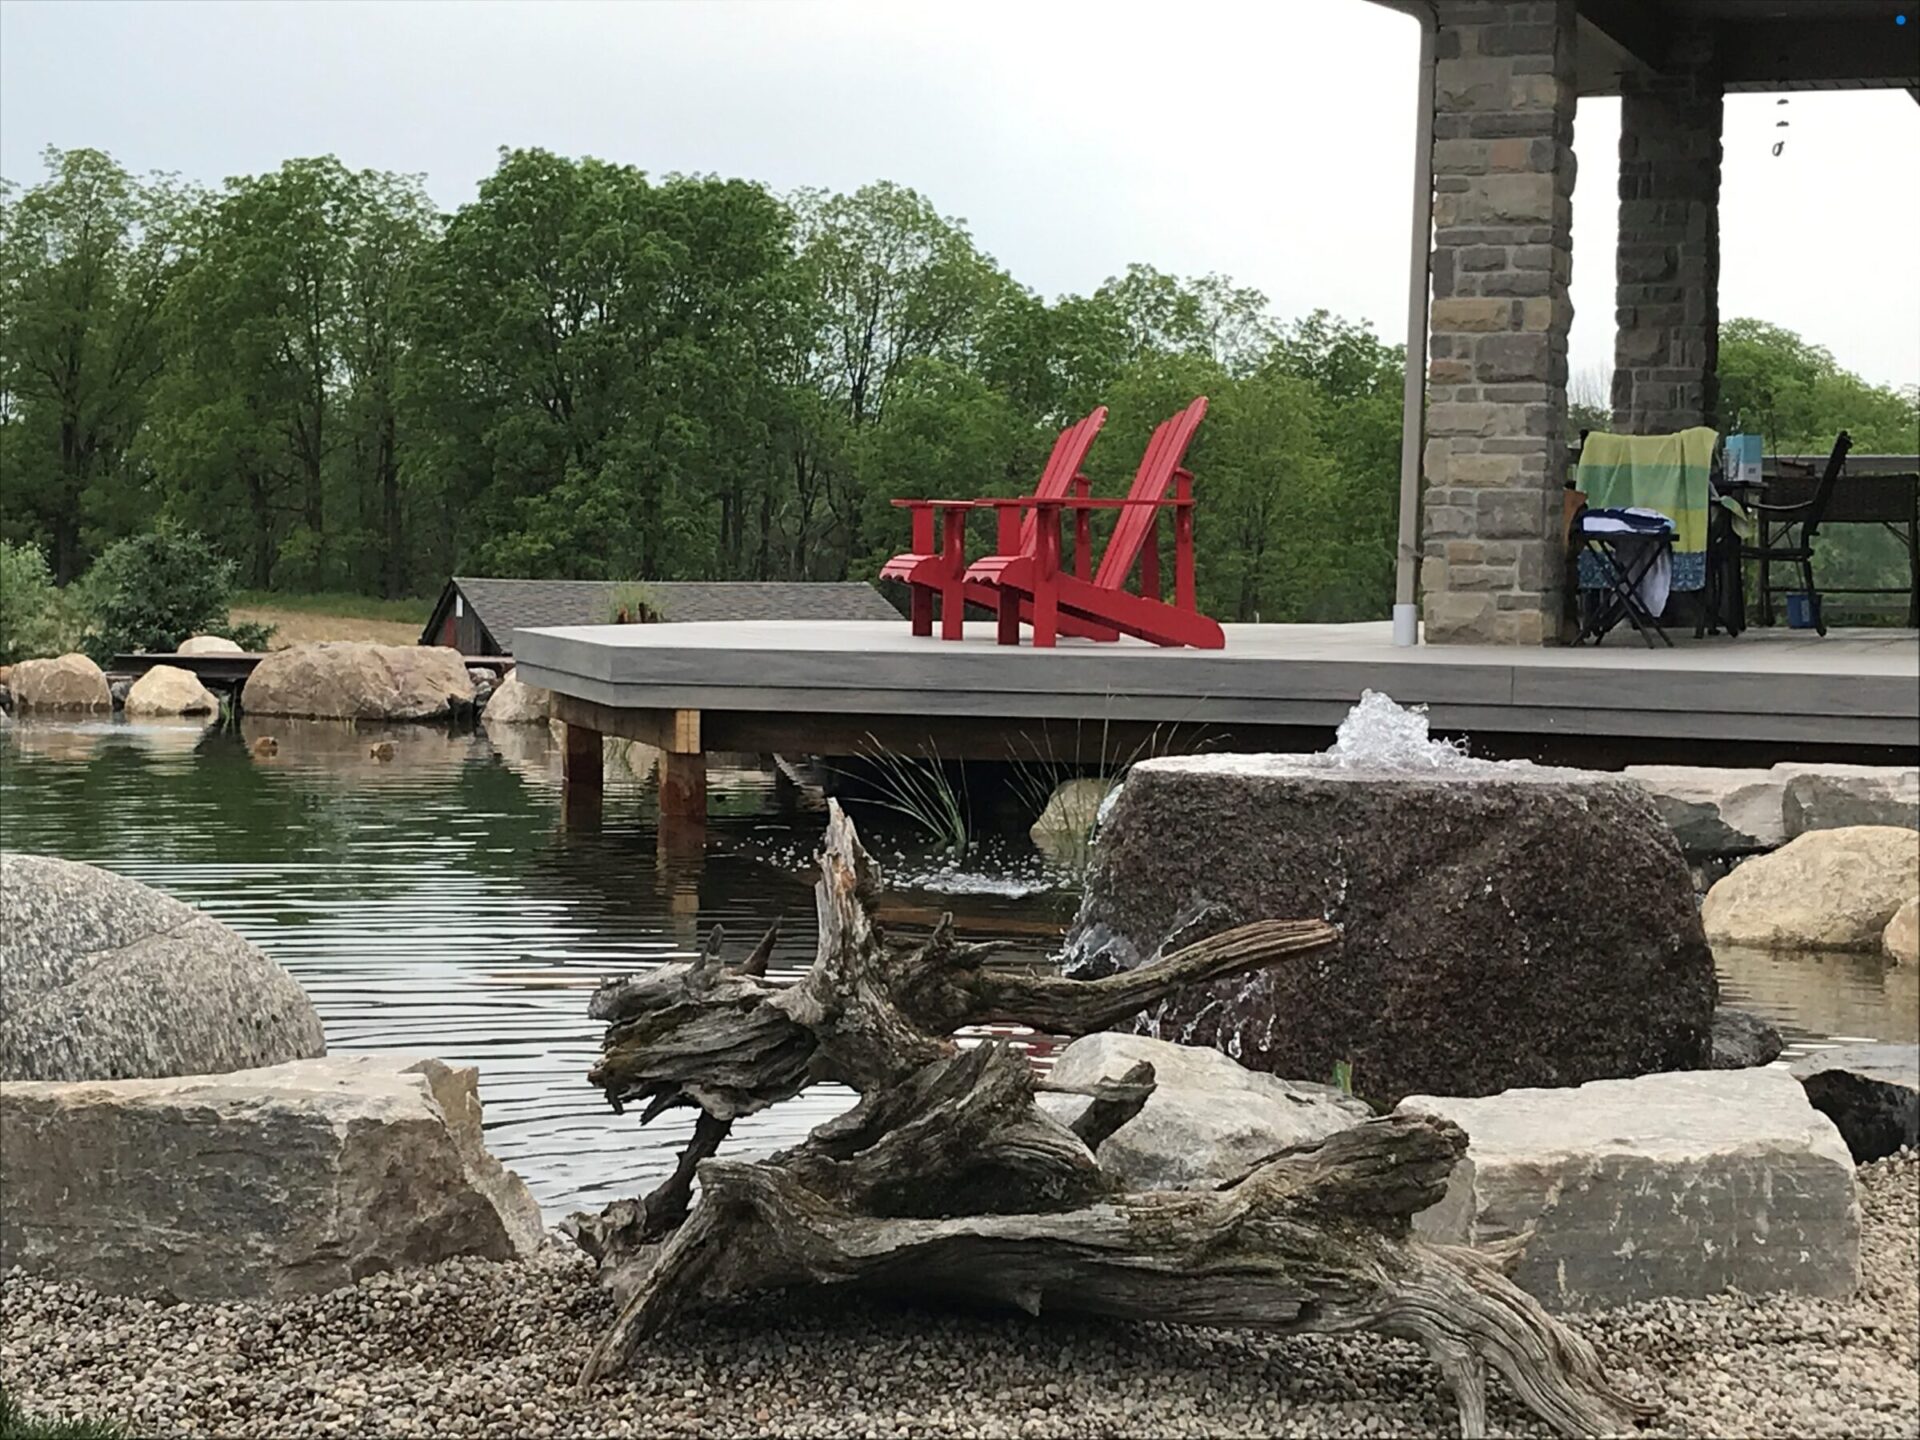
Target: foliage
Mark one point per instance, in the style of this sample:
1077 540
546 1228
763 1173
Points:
16 1424
36 618
590 372
151 591
410 611
633 604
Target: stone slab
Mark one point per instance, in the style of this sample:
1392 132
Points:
287 1180
1681 1185
1209 1120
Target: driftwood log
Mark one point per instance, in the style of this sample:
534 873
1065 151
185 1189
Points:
947 1181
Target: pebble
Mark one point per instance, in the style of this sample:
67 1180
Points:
472 1348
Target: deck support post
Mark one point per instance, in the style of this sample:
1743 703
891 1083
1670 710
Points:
582 775
683 769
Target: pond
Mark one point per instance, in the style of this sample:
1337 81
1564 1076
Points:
438 904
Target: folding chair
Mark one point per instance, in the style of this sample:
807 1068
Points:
1625 545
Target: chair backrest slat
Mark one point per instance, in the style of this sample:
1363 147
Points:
1165 451
1830 477
1056 481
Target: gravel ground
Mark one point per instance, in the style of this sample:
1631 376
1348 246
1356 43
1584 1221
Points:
483 1349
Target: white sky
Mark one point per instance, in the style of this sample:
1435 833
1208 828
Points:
1270 141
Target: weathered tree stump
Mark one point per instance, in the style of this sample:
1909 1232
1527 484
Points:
945 1180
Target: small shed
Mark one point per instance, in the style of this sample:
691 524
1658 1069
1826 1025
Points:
478 616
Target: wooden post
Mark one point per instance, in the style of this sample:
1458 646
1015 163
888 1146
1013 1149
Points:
683 769
582 778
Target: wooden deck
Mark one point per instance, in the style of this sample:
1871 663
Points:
836 688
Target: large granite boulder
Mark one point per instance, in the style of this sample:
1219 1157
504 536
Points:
1501 925
67 682
1716 811
1666 1185
356 680
1870 1092
1833 797
514 702
169 690
1826 890
1208 1120
1901 939
103 978
208 645
287 1180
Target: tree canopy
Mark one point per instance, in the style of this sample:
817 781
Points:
589 371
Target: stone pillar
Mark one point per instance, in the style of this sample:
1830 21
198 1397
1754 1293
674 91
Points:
1494 544
1667 347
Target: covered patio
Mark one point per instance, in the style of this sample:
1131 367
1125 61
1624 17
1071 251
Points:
1484 463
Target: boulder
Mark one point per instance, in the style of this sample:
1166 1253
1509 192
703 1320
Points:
1208 1120
1834 797
1901 938
1826 890
1870 1092
356 680
118 690
103 978
1741 1041
516 703
70 682
1667 1185
1071 811
287 1180
169 690
1554 900
1717 811
208 645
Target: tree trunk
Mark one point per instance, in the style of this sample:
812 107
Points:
947 1181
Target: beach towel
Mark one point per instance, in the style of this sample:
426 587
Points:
1665 473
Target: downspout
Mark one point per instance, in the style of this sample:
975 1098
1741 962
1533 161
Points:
1406 608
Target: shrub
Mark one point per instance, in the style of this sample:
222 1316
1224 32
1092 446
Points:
15 1424
36 618
149 592
633 603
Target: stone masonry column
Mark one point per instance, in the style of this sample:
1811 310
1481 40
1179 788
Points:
1494 544
1667 347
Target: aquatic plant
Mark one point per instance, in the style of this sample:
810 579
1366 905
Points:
921 790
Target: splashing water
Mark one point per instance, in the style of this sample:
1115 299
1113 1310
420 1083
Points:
1378 734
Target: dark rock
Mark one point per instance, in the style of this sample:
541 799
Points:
1503 926
6 699
103 978
1741 1041
1870 1092
118 689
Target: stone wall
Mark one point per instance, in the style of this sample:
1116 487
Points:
1668 264
1494 547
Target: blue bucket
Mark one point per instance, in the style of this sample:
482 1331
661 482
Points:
1803 612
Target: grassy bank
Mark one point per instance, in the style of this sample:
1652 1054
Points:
302 618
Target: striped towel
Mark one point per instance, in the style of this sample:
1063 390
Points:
1667 473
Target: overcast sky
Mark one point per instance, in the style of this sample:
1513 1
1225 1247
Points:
1269 141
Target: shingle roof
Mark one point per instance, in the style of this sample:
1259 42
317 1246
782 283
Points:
505 606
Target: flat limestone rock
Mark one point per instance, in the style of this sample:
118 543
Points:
1826 890
1208 1119
1501 925
1717 810
1871 1092
1832 797
103 978
288 1180
356 680
1666 1185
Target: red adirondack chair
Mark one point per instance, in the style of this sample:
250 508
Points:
1027 572
941 572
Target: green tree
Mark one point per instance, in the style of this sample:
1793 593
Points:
86 258
276 423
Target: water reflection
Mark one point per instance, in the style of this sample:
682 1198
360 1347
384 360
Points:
439 902
1817 996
